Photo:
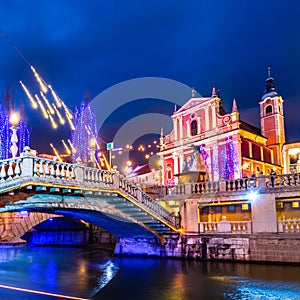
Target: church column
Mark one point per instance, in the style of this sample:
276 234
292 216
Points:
213 116
206 118
176 169
198 125
181 128
175 129
188 127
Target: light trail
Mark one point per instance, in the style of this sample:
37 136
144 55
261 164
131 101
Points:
67 111
55 152
50 108
33 102
71 123
40 80
53 123
56 98
66 147
40 292
61 119
72 147
42 106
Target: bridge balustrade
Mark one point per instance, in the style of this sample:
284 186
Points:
144 200
54 169
10 168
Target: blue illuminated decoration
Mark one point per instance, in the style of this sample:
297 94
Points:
85 129
231 163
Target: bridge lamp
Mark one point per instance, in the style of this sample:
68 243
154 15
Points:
253 195
14 120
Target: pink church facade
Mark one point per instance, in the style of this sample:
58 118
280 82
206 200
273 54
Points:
207 144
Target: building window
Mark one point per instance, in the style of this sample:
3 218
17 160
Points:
194 128
269 109
231 208
295 204
245 206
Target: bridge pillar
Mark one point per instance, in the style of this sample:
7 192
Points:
79 173
27 166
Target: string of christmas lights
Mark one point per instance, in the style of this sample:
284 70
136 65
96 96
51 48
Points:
81 137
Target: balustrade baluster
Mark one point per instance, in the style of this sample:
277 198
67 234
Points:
57 171
286 226
67 172
297 225
35 168
17 168
10 171
238 227
52 170
46 168
244 227
41 168
3 171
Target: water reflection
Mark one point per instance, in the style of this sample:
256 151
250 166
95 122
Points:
96 274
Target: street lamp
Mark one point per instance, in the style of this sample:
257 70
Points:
14 120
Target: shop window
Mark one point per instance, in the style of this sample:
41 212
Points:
194 128
269 109
295 204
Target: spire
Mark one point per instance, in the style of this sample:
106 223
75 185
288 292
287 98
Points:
270 87
194 93
213 92
234 106
175 108
162 132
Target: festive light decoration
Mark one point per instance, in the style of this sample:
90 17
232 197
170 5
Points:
61 119
39 80
83 118
231 166
47 103
32 101
5 135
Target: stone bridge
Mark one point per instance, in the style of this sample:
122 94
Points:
99 197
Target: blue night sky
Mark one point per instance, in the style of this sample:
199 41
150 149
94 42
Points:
80 46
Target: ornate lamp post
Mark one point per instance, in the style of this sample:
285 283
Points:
14 120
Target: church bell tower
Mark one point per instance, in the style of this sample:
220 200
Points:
272 119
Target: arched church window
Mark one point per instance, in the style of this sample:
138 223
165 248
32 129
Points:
269 109
194 128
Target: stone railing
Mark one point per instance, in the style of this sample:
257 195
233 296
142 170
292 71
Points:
226 227
39 170
144 200
288 226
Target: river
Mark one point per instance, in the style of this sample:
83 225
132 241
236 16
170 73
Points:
85 273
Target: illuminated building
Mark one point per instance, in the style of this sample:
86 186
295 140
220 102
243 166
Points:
207 144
